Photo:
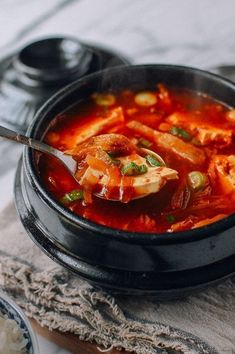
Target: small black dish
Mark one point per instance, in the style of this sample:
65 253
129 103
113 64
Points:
28 78
52 62
166 265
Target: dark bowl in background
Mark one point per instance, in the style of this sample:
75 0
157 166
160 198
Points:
166 265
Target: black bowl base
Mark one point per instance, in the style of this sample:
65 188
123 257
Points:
163 285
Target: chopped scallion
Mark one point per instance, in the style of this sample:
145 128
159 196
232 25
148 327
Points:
146 98
143 169
181 133
132 169
112 155
170 218
153 161
104 99
72 196
144 143
196 180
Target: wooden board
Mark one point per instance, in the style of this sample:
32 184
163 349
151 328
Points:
70 341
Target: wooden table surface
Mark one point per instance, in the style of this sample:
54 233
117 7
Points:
71 342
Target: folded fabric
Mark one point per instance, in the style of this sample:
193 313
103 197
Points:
59 300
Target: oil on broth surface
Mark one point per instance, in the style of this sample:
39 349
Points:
191 132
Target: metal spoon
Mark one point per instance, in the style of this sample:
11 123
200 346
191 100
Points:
67 160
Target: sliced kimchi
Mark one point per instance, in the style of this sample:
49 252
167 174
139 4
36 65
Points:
222 172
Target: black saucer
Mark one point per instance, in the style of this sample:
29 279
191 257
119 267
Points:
32 75
164 285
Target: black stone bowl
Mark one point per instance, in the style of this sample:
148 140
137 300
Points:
166 265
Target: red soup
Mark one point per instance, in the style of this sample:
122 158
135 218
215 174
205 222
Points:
191 184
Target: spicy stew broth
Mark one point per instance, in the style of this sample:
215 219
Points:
176 206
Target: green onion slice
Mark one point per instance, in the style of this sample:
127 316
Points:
114 161
132 169
153 161
196 180
144 143
170 218
181 133
72 196
104 99
143 169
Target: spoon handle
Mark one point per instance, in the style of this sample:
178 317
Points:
38 145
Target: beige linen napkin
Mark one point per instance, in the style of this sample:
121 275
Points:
59 300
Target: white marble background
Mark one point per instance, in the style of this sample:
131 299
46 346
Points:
188 32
